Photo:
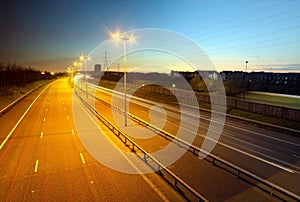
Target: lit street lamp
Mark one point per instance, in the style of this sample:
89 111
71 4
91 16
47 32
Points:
245 81
75 64
117 37
84 58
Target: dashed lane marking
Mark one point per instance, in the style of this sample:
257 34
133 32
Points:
82 159
22 117
36 166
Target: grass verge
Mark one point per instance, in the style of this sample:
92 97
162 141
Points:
265 119
14 92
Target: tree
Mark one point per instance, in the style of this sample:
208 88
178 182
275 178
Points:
198 84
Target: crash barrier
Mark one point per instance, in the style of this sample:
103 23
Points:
265 185
182 187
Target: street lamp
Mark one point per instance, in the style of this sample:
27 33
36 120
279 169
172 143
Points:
75 64
245 81
118 37
84 58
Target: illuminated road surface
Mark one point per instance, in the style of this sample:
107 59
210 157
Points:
42 158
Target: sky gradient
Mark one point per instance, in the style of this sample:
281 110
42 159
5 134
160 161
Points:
51 34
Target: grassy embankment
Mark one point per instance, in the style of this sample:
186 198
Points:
172 99
14 92
274 99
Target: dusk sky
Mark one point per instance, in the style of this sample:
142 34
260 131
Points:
51 34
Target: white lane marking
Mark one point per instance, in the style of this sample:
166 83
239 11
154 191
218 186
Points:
67 117
46 109
41 135
230 134
250 155
65 109
148 181
82 159
197 116
22 117
246 153
73 132
44 119
36 166
296 156
263 135
243 152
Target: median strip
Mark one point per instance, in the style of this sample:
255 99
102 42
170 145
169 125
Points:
176 182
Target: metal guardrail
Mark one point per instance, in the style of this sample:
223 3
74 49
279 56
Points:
265 185
2 111
178 183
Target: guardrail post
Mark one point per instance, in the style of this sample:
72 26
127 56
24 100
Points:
271 191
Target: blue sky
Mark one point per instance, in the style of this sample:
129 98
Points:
51 34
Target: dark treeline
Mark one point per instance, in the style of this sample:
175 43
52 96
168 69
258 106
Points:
17 75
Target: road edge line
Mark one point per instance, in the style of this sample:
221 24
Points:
22 117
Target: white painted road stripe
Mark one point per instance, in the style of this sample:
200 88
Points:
44 119
36 166
296 156
196 116
73 132
82 159
22 117
41 135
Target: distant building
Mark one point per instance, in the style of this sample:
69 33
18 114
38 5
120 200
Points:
97 68
207 74
187 75
288 83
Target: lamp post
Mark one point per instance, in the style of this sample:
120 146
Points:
75 64
245 81
117 37
84 58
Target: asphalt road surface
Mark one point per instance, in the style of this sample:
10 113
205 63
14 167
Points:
270 154
43 159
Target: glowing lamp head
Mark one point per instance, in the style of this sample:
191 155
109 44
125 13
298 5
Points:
81 58
116 36
132 39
